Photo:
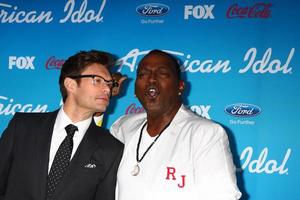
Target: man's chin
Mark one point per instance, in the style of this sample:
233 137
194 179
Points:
153 107
101 108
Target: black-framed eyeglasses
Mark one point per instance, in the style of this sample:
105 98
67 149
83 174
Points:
98 81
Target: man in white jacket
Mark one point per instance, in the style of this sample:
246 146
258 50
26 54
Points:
171 153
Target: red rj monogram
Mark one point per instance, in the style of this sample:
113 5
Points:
171 172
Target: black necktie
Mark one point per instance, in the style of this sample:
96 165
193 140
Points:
61 160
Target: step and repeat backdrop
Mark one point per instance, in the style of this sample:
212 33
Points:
240 63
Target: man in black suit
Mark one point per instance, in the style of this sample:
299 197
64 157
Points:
41 159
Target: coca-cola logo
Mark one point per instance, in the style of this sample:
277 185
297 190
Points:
54 63
133 108
258 10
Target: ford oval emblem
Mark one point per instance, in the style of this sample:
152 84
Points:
242 110
152 9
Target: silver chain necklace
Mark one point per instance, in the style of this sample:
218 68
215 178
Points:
136 168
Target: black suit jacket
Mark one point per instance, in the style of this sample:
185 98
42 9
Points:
24 157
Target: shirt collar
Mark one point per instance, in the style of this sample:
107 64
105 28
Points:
62 120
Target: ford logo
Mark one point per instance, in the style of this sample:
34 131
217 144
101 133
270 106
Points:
152 9
242 110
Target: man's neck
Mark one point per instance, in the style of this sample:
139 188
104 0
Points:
157 122
76 114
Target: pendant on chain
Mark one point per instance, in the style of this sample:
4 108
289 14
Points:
136 170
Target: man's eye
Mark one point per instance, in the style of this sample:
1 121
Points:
97 80
163 73
141 74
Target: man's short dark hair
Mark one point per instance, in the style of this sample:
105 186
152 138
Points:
76 64
174 60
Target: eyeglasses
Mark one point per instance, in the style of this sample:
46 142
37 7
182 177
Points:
97 80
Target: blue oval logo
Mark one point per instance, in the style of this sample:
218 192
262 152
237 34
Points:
242 110
152 9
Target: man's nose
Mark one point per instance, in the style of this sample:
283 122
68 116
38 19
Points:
106 89
152 77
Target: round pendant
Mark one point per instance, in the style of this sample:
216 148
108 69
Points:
136 170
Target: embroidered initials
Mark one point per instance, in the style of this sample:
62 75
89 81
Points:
171 173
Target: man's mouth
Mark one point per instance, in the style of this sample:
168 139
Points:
103 98
152 92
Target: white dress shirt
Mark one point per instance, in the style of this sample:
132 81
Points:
59 134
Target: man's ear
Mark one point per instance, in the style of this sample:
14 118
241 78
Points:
181 86
70 84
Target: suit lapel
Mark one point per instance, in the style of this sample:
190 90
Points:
43 142
89 144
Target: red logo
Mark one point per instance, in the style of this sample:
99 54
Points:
54 63
258 10
133 108
171 176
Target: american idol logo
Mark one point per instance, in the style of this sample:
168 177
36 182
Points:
256 65
152 9
242 110
74 13
9 107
